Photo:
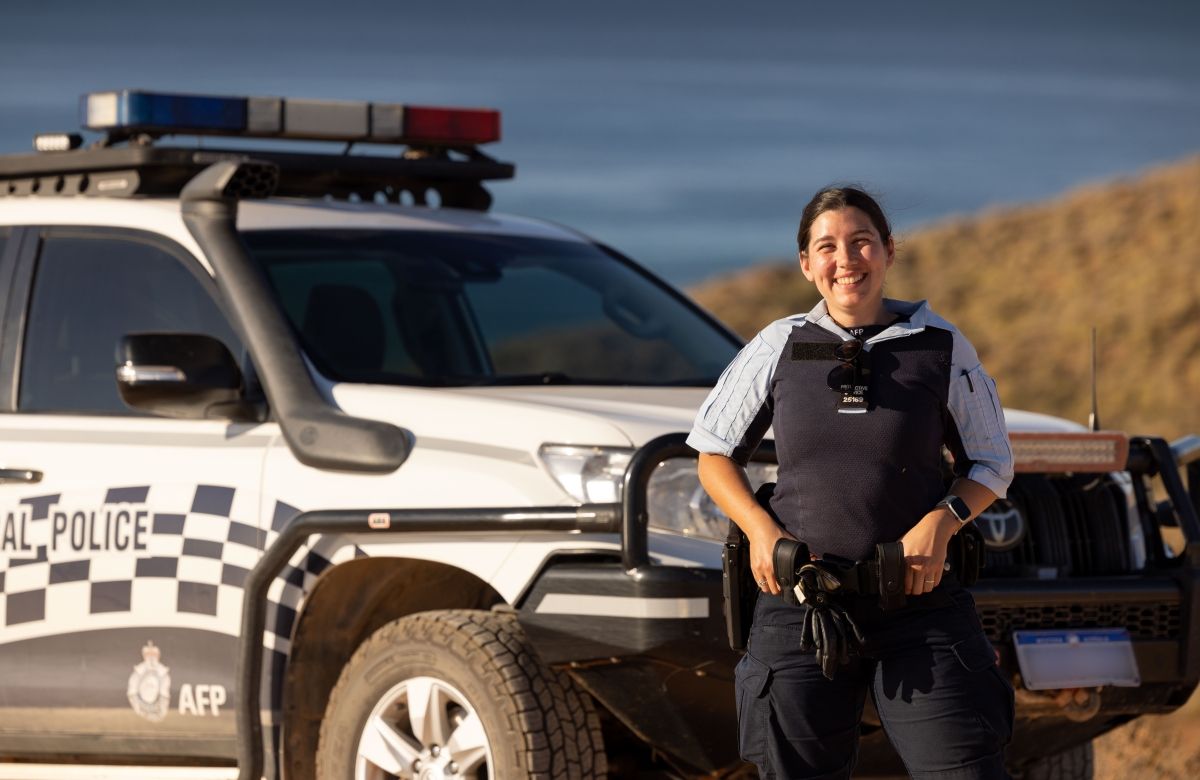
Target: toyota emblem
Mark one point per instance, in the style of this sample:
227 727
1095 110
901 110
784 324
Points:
1002 525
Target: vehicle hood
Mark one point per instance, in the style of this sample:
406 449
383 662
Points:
646 412
569 414
642 413
1034 422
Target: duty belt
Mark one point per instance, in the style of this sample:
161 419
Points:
821 583
882 576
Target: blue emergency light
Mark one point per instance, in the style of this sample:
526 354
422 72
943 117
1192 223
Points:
131 112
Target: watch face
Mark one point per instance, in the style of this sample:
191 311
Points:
959 508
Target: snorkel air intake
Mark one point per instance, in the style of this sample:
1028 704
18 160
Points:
318 434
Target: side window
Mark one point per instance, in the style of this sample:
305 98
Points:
87 294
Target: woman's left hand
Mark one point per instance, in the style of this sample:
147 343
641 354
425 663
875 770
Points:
925 550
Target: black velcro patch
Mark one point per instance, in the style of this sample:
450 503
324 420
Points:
813 351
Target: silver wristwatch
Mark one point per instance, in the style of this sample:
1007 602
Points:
957 507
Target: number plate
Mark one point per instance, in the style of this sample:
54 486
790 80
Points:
1076 658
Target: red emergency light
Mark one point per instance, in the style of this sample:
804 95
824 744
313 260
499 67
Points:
427 124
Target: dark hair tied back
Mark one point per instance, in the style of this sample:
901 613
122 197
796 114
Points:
833 198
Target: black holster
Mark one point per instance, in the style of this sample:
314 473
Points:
737 580
737 584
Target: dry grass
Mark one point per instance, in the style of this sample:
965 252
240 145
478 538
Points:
1164 747
1027 284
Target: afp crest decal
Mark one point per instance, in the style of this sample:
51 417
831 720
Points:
149 689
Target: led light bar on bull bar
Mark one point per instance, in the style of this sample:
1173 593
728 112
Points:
1070 452
131 112
57 142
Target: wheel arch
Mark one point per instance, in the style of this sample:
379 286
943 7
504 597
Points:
347 604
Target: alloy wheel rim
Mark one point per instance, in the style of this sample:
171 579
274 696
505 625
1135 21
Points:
423 728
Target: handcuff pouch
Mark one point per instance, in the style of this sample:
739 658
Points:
889 558
788 556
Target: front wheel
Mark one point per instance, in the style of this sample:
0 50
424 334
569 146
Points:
456 694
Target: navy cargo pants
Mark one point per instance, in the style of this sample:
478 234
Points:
930 669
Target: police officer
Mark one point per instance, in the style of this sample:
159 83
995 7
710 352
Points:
862 393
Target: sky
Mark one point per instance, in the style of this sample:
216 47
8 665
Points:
687 133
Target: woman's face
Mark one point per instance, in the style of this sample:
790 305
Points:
847 260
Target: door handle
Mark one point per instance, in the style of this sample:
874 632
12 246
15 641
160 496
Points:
20 475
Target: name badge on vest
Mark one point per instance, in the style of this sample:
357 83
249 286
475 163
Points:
854 399
851 378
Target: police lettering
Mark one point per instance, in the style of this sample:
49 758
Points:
16 533
201 699
99 530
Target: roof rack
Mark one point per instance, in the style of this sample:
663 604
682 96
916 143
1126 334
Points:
440 156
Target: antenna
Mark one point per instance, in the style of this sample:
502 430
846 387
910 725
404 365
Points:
1094 417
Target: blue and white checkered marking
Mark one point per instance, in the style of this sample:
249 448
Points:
190 572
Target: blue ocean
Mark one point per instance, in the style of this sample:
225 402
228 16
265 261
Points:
686 133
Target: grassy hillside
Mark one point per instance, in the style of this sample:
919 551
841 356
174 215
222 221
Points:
1026 285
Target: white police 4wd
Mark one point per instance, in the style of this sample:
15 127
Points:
303 471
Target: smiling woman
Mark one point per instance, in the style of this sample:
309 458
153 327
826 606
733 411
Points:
846 248
858 471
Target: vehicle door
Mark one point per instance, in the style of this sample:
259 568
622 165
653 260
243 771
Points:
124 538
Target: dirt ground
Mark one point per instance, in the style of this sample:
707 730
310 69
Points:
1153 746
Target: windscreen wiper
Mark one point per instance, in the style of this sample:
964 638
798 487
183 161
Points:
542 378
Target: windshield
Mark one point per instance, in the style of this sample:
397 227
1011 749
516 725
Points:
457 309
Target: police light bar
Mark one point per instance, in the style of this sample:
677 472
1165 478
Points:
131 112
1070 452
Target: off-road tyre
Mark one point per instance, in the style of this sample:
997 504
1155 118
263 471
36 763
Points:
539 724
1076 763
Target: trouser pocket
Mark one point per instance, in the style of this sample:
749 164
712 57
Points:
992 698
752 680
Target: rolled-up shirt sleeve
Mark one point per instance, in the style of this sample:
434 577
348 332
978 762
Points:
737 413
983 454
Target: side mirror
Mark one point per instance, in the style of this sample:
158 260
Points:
185 375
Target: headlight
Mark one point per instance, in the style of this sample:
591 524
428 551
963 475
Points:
592 475
677 502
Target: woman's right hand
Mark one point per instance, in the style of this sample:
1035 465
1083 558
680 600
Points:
728 486
762 556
